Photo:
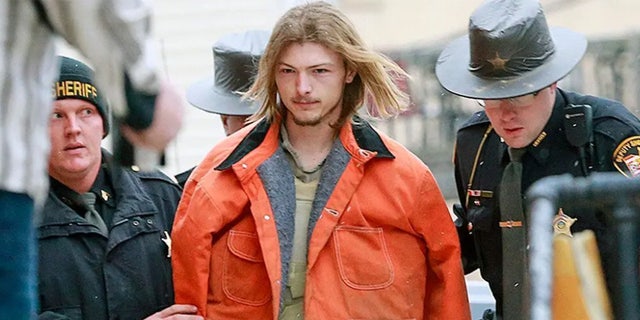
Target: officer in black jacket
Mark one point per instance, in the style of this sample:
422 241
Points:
235 60
103 237
510 62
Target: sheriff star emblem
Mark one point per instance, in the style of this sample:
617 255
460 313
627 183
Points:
562 224
498 63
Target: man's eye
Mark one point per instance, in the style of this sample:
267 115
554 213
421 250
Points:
56 115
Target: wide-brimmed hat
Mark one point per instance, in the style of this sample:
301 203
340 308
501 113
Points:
509 51
235 64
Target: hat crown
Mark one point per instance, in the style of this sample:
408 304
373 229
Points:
509 52
508 38
235 60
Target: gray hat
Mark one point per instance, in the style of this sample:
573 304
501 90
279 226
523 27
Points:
509 51
235 64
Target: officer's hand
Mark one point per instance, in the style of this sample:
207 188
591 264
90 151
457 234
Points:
176 312
167 120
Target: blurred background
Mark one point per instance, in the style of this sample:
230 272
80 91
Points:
412 32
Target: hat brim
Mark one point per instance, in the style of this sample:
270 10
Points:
205 96
453 73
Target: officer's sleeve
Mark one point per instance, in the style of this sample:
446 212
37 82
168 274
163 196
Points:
467 245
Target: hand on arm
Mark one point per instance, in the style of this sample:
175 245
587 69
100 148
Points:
176 312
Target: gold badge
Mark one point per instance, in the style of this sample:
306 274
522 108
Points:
626 157
562 224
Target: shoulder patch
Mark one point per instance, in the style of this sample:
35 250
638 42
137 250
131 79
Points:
626 157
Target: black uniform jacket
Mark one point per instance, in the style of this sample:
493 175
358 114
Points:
182 177
550 154
83 275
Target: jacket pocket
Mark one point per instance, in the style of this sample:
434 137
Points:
363 258
245 278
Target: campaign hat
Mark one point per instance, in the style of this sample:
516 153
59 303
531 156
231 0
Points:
235 65
509 51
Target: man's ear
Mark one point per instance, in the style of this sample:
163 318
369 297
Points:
350 75
225 123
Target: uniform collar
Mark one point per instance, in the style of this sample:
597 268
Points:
67 195
365 136
553 132
102 186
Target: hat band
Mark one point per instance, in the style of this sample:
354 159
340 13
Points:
504 67
66 89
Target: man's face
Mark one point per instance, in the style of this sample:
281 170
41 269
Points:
311 79
519 121
232 124
75 130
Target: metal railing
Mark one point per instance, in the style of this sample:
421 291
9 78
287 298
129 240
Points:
615 195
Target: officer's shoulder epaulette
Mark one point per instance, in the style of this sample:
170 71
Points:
155 174
476 119
606 112
602 108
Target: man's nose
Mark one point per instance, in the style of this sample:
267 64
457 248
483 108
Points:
303 84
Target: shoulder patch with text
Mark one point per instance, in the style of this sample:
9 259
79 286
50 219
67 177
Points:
626 157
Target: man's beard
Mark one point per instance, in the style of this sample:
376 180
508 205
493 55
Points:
307 123
315 121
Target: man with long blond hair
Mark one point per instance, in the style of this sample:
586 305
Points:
310 212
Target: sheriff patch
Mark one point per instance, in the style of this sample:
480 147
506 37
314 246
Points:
626 157
73 89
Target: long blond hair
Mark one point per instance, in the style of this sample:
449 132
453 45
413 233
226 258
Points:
322 23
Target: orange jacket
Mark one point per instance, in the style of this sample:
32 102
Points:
383 245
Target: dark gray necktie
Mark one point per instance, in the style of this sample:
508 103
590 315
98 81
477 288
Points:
514 239
92 215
